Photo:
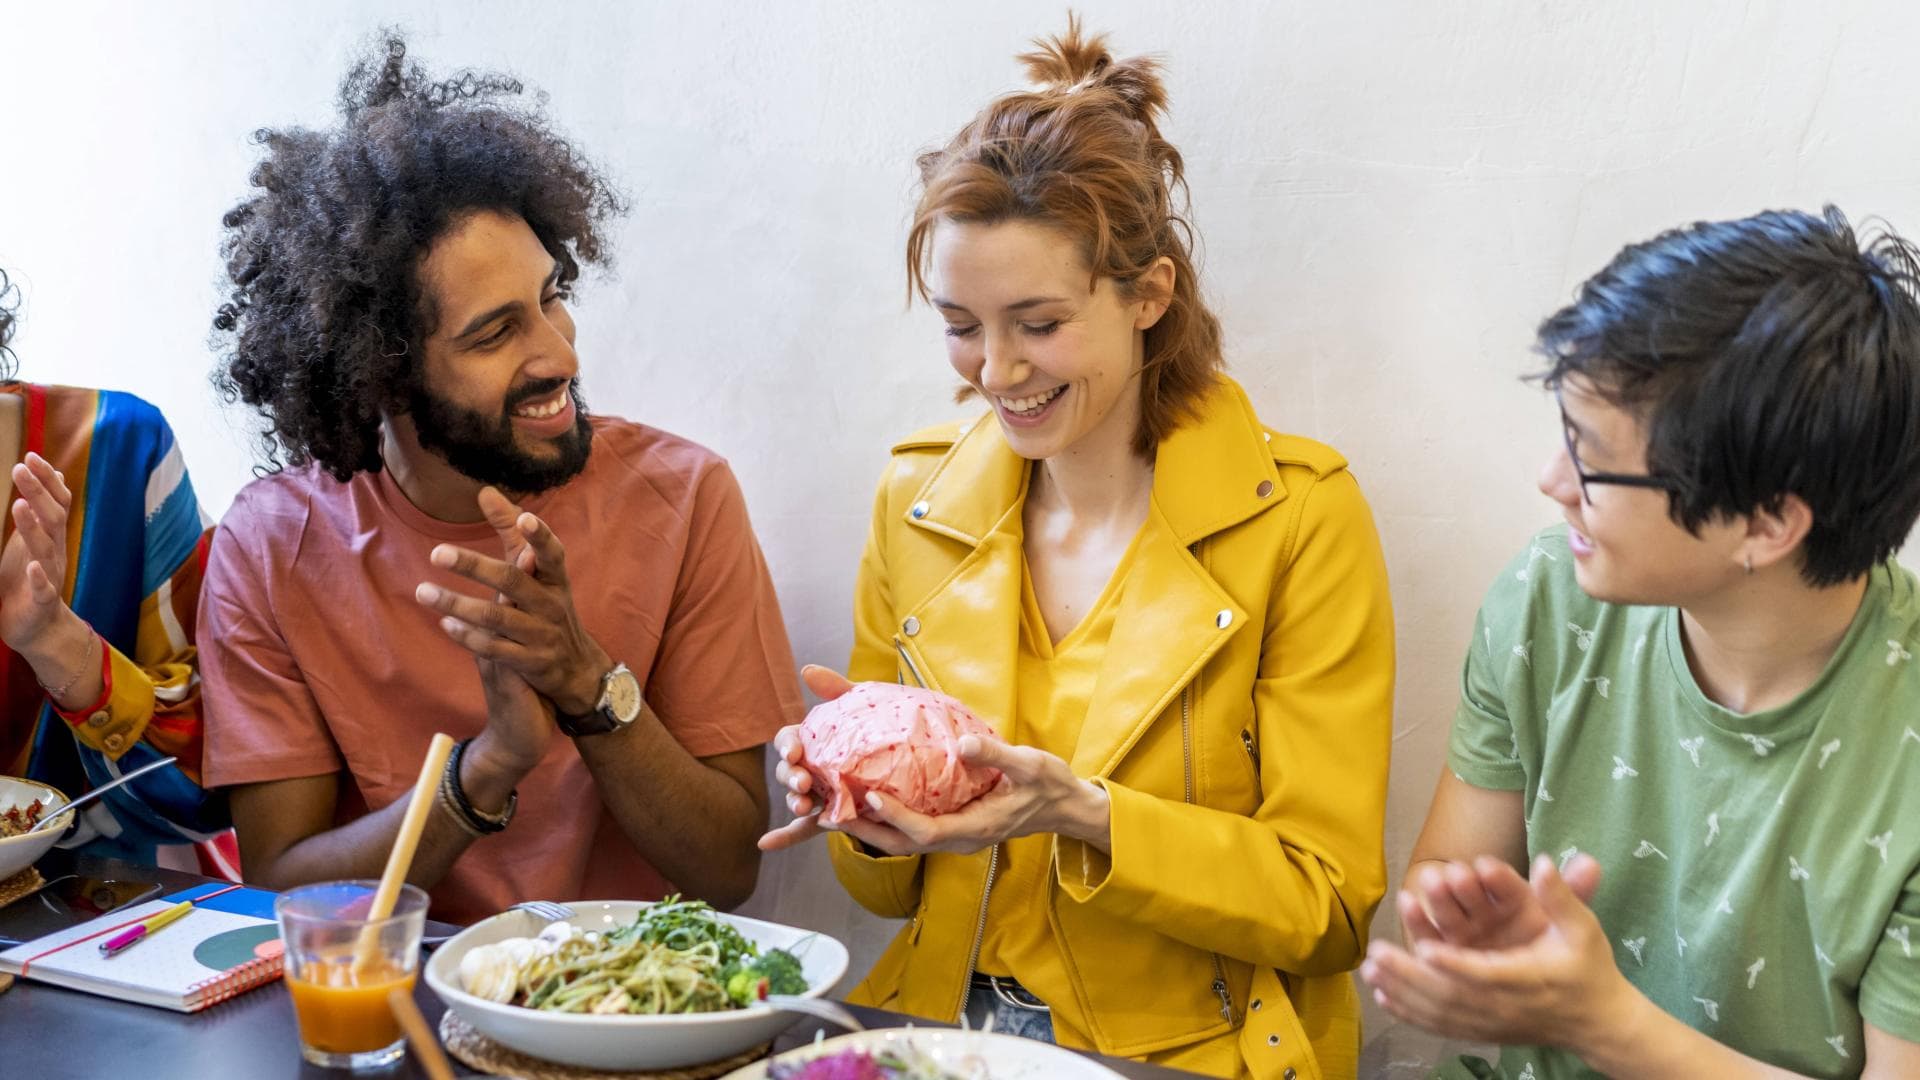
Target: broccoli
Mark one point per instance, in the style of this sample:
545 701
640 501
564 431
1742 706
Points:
775 971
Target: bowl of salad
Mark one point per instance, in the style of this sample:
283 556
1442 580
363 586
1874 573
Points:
22 803
627 985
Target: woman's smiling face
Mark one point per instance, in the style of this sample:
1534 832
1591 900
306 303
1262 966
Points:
1055 351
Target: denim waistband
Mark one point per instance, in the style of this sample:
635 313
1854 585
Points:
1008 991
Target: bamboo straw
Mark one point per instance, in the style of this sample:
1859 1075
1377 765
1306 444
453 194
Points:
425 1046
419 804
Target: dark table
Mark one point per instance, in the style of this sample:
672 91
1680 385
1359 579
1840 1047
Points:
52 1033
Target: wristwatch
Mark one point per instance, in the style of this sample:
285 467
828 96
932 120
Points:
619 705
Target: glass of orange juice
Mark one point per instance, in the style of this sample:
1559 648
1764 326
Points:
340 967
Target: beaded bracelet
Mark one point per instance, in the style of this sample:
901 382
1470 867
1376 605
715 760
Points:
475 820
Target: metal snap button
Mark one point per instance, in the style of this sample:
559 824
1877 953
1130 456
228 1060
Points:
115 742
98 719
910 627
1265 489
919 510
1224 619
1256 1005
1273 1040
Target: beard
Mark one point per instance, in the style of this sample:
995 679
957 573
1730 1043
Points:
482 446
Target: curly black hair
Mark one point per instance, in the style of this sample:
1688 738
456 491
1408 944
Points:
327 316
9 298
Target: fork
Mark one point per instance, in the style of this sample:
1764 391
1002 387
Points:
539 909
821 1008
544 909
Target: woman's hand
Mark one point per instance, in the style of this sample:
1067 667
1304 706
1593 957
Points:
790 772
1037 793
33 566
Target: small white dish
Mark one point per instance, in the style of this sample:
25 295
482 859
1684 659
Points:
963 1053
627 1042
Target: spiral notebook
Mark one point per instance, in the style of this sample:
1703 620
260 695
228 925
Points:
228 944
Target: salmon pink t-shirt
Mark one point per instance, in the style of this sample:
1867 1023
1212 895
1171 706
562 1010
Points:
317 660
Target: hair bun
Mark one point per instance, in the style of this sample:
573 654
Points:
1072 62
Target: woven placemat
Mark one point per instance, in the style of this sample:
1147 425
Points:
480 1052
19 885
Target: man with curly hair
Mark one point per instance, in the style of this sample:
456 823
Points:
447 541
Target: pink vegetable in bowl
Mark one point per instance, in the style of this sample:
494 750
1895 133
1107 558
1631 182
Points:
901 741
849 1065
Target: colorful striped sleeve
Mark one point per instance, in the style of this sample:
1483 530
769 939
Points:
154 695
151 707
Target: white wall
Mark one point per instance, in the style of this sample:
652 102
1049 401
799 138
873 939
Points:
1393 194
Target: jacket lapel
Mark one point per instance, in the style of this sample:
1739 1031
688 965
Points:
964 637
1209 474
1172 619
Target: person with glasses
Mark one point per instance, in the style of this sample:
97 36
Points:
1703 682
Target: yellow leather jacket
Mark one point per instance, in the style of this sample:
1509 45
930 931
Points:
1241 728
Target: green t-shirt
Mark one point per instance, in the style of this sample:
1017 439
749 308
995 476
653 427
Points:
1761 872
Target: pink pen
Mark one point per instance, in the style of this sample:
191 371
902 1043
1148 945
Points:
126 938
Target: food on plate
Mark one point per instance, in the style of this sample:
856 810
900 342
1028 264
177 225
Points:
677 956
15 820
893 1063
901 741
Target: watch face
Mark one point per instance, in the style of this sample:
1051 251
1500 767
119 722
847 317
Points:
623 695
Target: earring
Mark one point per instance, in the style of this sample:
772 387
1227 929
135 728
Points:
1749 565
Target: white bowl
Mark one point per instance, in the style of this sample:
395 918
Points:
19 852
963 1053
627 1042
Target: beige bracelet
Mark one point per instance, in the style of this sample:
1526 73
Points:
86 664
444 797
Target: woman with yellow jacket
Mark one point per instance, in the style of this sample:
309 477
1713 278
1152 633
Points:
1176 617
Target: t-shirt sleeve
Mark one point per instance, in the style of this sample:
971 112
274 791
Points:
262 722
723 678
1482 749
1890 988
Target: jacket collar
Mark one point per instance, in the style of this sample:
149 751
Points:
1211 473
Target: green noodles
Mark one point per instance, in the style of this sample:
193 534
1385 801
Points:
676 957
625 976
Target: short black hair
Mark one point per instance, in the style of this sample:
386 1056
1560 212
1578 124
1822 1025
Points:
1771 356
326 318
9 303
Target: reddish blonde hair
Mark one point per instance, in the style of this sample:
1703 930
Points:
1084 155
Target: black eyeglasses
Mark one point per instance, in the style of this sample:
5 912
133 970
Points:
1572 437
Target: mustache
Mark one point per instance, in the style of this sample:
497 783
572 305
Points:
540 389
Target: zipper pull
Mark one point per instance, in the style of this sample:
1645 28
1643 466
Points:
1226 1000
1246 740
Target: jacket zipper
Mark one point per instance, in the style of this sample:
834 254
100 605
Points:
993 865
1253 752
1186 754
907 659
979 931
